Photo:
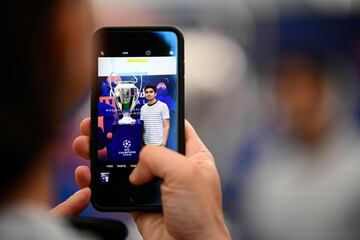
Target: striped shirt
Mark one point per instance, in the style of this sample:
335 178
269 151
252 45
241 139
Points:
153 117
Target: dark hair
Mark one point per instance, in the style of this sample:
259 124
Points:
150 86
301 60
29 112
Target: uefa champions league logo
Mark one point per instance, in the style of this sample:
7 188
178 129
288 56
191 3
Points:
126 143
126 152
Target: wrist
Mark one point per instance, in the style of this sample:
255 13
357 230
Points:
222 233
217 232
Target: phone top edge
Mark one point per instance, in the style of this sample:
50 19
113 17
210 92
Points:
170 28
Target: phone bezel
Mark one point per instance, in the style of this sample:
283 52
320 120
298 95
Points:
132 206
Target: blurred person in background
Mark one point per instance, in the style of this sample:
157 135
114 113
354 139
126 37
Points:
47 57
303 178
214 28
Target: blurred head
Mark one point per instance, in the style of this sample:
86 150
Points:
305 96
45 67
150 92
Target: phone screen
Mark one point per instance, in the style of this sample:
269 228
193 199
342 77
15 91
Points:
136 103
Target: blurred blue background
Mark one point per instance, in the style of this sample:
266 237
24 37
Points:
272 87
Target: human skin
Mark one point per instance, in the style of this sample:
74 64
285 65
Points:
166 131
150 95
191 193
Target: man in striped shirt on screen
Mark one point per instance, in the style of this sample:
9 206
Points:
156 118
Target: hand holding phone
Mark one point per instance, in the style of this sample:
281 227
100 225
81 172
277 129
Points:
190 189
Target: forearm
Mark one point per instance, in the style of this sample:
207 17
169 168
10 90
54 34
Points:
223 233
166 135
166 131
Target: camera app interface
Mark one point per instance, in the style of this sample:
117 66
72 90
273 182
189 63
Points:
137 101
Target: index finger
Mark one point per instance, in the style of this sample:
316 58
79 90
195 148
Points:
85 126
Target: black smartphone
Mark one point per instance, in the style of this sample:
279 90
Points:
137 99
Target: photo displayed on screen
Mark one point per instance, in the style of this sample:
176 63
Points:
137 106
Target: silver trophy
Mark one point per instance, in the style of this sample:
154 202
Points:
126 95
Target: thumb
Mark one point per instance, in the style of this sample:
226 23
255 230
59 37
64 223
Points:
154 162
74 204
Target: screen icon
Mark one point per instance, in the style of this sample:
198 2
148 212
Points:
126 143
104 177
148 53
171 52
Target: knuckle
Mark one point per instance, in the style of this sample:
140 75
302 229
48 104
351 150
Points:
143 153
188 171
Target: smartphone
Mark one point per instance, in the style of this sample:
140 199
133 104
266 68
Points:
137 98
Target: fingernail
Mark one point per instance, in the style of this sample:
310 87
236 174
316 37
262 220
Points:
133 175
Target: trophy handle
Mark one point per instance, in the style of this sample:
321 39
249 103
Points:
135 99
141 83
118 104
138 90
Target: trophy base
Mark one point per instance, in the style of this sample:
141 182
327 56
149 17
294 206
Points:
126 120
